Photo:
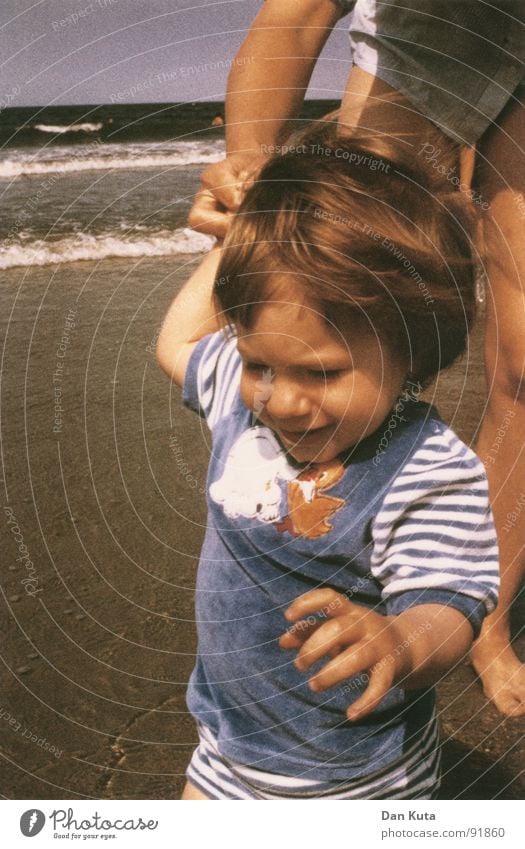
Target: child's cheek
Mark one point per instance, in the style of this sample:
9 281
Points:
247 390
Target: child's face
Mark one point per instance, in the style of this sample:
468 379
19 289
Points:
320 390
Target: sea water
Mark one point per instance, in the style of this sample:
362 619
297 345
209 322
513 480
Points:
84 183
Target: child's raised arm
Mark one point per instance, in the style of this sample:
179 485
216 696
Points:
190 317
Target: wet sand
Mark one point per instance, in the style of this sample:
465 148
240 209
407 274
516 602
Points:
101 507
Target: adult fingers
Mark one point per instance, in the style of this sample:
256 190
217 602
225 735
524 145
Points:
208 216
226 179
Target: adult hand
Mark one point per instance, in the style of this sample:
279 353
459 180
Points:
223 186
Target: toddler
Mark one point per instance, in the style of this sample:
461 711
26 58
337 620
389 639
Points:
350 555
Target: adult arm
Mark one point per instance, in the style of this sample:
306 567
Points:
272 69
266 88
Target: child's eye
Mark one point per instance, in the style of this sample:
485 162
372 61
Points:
318 374
254 367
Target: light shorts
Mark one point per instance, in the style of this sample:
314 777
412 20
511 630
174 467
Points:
457 61
417 776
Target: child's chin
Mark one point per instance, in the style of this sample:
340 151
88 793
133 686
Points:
311 455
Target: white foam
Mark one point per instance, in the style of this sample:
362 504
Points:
69 128
69 159
83 246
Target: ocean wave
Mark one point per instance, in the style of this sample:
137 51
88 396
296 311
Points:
106 157
71 128
84 247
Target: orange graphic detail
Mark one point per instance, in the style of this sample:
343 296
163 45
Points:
309 510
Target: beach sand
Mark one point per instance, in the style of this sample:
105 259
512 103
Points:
103 494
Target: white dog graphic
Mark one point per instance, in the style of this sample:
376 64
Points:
249 485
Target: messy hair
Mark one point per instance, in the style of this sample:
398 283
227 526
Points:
356 226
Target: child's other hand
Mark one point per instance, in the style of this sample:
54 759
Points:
355 637
223 186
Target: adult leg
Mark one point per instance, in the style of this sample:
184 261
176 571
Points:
501 180
373 108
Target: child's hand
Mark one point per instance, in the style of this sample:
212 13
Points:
223 186
356 638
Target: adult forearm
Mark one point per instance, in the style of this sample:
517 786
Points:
263 96
272 69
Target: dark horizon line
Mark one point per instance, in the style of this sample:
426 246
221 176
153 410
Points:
148 103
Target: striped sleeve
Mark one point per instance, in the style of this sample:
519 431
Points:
434 540
212 378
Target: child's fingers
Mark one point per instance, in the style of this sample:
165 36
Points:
380 682
347 664
295 636
326 601
332 635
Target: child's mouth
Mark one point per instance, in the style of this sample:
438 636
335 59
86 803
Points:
302 435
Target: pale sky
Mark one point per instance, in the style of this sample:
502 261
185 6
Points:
107 51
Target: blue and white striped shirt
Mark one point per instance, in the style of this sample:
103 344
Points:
405 524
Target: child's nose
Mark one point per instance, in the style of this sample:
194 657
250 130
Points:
287 399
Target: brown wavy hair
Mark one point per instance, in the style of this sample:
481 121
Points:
357 224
